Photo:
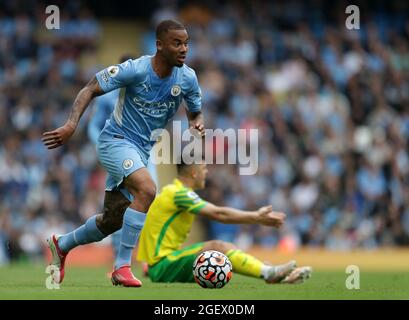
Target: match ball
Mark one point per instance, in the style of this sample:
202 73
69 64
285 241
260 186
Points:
212 269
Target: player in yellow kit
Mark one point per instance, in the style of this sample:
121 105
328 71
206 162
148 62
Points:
168 224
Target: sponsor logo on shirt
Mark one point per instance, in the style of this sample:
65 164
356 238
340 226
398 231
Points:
153 108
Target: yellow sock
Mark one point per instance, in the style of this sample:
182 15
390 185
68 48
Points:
244 263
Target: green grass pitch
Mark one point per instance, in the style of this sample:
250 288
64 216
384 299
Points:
25 281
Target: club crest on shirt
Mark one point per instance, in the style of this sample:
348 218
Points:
176 90
113 71
127 164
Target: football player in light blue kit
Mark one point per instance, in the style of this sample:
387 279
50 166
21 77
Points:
151 90
103 108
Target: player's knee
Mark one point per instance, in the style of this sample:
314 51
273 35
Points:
150 193
142 188
221 246
145 193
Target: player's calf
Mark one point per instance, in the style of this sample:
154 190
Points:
115 205
143 189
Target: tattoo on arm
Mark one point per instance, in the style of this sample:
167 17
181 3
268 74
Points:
84 97
193 115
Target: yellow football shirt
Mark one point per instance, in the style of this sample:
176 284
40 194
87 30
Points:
168 222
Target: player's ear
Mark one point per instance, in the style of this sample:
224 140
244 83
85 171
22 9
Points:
193 171
159 44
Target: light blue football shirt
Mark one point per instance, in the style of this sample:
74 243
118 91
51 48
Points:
147 102
104 105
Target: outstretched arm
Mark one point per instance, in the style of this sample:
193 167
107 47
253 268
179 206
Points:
60 136
265 215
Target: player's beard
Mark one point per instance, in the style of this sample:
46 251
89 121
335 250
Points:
179 64
176 63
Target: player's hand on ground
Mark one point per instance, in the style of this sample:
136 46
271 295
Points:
268 217
58 137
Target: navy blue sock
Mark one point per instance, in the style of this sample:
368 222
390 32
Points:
131 228
87 233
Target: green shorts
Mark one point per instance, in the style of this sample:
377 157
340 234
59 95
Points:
176 267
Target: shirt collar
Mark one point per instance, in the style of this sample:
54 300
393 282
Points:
178 183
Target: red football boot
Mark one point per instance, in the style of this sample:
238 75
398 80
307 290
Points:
58 259
124 277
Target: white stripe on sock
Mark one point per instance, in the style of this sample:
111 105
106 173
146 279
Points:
265 271
75 238
127 245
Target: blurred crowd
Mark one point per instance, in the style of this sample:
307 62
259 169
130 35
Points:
41 71
332 109
331 106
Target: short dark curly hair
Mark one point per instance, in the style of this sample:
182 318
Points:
181 165
166 25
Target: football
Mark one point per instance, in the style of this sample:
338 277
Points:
212 269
